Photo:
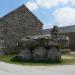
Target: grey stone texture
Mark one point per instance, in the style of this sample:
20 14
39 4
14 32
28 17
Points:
18 24
25 54
39 53
54 54
42 47
1 39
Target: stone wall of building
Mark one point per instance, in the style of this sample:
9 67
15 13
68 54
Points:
1 38
68 31
72 40
18 24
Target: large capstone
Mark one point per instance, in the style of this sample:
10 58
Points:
39 54
54 54
25 54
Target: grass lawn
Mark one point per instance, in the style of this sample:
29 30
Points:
7 58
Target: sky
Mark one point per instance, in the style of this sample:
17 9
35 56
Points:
49 12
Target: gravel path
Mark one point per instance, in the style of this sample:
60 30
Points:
11 69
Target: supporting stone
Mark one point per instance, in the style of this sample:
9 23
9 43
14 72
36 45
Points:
25 54
39 54
54 54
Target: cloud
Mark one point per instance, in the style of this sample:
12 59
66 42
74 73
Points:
46 3
65 16
35 4
50 3
32 6
48 25
72 1
53 3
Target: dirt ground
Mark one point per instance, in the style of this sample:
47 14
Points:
11 69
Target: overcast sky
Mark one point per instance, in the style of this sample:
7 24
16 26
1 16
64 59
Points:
50 12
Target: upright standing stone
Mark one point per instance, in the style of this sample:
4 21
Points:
25 54
39 54
54 54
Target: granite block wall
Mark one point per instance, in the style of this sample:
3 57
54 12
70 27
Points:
18 24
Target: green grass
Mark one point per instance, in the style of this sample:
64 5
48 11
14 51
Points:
7 59
67 61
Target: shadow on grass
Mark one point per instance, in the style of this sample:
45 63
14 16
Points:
23 61
15 60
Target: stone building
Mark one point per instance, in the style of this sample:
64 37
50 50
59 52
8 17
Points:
17 24
68 31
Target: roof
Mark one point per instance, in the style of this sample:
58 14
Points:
19 10
64 29
68 28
